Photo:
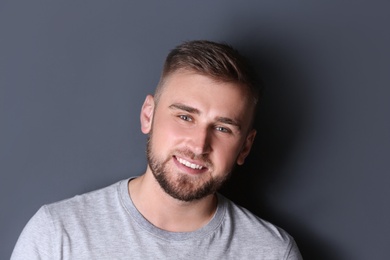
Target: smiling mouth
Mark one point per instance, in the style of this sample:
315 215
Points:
189 165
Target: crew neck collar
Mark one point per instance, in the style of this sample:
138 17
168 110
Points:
143 223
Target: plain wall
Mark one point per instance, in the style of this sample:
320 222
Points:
73 76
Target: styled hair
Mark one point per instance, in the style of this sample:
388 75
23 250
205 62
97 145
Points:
216 60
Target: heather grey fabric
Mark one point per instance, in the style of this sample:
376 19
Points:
105 224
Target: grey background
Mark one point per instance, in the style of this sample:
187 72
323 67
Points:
73 75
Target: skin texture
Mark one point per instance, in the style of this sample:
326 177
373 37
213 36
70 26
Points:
198 131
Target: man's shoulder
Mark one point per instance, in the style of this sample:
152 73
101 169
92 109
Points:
84 219
252 227
89 202
258 236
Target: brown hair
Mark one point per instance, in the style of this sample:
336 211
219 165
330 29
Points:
216 60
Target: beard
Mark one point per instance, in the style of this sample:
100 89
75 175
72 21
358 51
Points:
182 186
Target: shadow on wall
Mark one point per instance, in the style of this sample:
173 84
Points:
280 121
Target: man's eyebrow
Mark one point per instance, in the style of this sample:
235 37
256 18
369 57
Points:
184 108
192 110
229 121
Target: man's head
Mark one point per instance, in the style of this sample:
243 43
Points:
200 120
215 60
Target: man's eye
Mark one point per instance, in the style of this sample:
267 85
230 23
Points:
185 118
222 129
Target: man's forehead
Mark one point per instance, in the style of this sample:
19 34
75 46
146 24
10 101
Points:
177 79
203 94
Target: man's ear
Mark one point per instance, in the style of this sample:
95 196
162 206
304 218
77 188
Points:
146 115
246 148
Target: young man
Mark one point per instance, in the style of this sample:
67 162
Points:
200 125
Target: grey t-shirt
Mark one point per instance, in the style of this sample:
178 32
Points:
104 224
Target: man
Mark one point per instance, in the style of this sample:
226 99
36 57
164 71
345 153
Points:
200 125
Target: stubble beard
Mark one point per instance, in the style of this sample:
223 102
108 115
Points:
180 185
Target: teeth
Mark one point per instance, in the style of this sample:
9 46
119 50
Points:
190 165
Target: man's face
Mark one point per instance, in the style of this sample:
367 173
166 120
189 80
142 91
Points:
197 132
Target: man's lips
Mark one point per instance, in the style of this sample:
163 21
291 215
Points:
192 165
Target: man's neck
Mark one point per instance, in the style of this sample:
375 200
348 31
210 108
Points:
168 213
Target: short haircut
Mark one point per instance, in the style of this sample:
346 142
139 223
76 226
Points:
219 61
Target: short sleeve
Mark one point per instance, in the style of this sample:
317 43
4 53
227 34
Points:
294 253
36 239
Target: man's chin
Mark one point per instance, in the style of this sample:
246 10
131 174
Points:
184 189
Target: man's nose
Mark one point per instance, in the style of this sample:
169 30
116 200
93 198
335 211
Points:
200 141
